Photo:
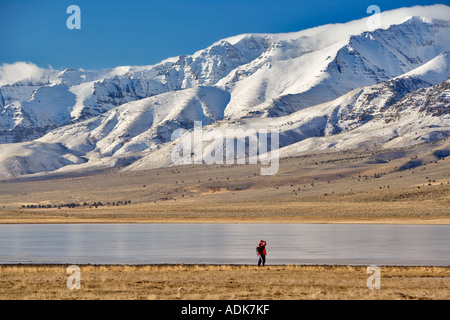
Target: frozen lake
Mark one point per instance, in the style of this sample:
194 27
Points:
358 244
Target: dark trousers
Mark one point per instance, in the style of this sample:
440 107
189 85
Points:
262 259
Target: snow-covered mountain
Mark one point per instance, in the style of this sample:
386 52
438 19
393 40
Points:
329 87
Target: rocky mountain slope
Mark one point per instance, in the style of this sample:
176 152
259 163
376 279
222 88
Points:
330 87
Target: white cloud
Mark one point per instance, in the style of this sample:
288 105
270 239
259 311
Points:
14 72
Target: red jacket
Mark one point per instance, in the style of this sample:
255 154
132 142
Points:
264 252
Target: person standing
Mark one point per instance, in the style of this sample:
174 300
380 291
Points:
261 252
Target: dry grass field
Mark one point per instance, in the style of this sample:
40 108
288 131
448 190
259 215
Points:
223 282
365 186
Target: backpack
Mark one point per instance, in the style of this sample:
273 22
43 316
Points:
259 250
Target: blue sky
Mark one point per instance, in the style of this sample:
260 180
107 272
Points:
137 32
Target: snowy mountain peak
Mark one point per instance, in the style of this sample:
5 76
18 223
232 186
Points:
319 87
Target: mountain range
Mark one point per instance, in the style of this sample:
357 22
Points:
333 87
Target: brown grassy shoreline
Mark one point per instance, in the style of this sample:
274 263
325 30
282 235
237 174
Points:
395 206
276 211
360 186
443 221
223 282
